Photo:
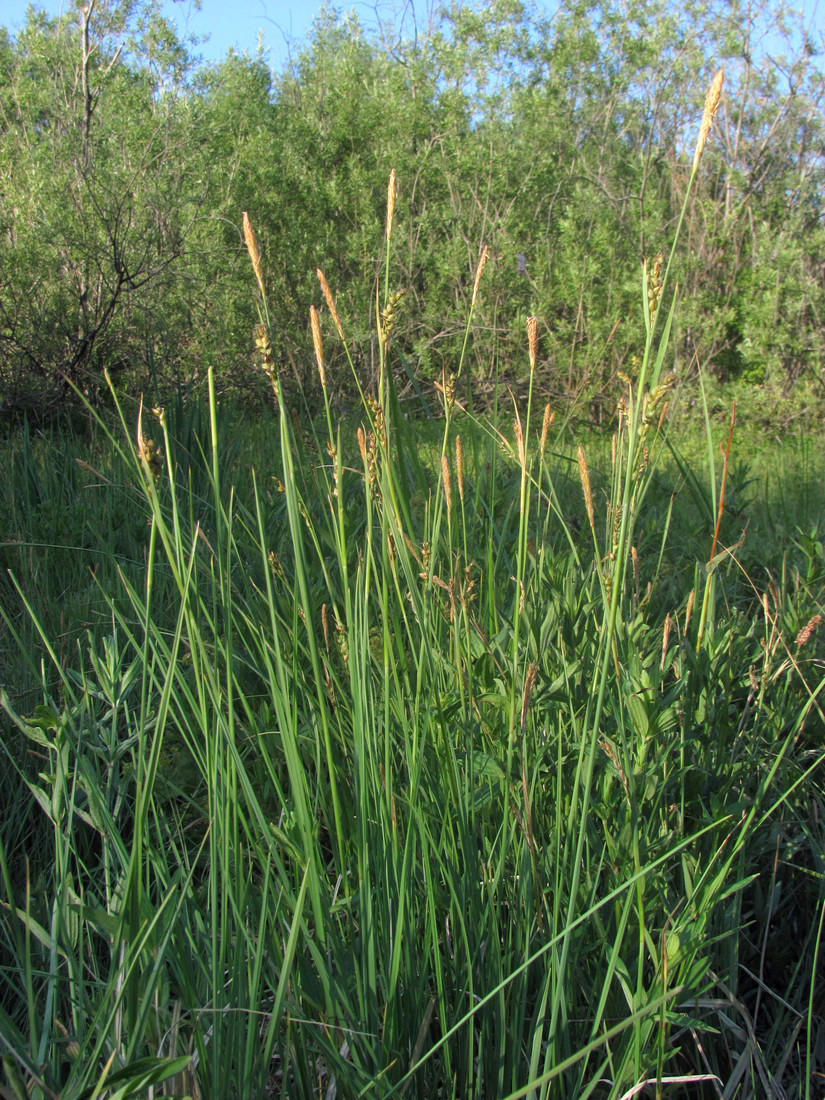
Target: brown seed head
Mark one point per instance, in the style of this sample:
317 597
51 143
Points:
519 434
588 492
711 106
665 640
807 630
362 444
445 477
328 298
391 192
529 684
545 428
532 339
254 252
315 325
481 264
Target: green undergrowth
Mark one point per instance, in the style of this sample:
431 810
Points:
410 758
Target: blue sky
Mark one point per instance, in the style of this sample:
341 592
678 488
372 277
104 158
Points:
236 22
284 24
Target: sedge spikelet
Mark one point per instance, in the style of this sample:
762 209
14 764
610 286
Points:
654 284
481 264
254 252
152 455
708 115
547 420
665 640
389 316
148 451
459 467
588 492
328 298
315 325
448 389
807 630
529 684
391 193
264 349
332 451
445 477
519 434
532 339
362 445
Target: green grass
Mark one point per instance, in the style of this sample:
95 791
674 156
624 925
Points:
325 763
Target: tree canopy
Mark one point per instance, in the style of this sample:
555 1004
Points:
562 144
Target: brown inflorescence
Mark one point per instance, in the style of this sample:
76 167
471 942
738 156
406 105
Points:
391 194
328 298
807 630
588 493
481 264
532 339
254 252
708 115
315 325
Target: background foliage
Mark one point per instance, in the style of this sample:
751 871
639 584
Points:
563 144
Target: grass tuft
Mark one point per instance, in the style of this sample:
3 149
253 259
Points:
373 773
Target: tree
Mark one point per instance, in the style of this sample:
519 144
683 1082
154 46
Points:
96 201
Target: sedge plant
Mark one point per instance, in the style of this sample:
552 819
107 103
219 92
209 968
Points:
387 778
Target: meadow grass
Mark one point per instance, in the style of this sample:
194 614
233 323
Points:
407 758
